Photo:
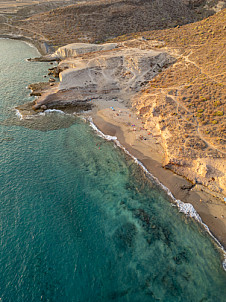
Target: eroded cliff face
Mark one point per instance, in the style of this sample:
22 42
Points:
188 151
186 102
75 49
173 79
109 71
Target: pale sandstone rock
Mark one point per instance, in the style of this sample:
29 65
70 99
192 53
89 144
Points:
124 70
74 49
121 74
202 168
185 151
107 74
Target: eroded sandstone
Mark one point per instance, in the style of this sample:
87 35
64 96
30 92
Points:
174 81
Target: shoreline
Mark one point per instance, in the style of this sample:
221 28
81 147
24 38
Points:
43 47
188 210
210 209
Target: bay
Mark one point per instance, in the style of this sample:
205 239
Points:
80 221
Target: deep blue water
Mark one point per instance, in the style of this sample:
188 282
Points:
80 221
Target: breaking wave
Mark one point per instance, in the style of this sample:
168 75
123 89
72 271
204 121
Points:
51 110
186 208
19 114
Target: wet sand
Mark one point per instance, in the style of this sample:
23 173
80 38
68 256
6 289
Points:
121 122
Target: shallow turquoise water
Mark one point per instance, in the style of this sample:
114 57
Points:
79 221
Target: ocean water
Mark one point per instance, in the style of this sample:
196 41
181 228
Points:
80 221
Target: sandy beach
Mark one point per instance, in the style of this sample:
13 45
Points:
128 128
114 116
117 119
113 150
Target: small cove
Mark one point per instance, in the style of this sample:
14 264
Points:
79 219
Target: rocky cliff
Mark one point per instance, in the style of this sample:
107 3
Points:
109 71
186 102
174 79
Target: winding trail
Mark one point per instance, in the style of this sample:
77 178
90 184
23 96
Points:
178 103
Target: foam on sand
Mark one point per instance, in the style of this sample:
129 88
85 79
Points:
183 207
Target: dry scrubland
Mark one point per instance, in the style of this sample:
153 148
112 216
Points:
96 21
25 6
187 100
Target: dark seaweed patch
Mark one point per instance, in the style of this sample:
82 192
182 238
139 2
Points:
124 235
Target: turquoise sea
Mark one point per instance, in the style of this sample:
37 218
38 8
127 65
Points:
80 221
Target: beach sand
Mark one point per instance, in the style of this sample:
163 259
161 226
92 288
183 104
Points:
115 119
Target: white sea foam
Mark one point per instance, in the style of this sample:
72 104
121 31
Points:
28 117
183 207
53 110
31 45
107 137
19 114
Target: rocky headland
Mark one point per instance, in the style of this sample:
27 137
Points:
161 92
171 78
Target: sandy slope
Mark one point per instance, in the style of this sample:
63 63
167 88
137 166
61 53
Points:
174 81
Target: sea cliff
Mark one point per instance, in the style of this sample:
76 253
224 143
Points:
160 91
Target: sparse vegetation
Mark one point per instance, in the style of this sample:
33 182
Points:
219 113
187 99
197 76
102 20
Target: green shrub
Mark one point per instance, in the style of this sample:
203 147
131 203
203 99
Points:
217 103
199 115
218 113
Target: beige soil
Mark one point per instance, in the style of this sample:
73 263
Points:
179 115
119 123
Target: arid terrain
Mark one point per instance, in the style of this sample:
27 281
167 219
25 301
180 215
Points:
160 79
97 21
28 7
175 81
187 101
12 11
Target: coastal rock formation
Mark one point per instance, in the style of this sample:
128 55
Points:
174 78
72 50
37 89
107 74
173 81
186 102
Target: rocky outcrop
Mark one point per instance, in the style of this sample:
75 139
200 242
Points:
37 89
107 74
75 49
174 83
186 103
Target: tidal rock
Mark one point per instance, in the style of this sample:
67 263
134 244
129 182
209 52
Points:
43 107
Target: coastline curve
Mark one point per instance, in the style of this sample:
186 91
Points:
185 208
